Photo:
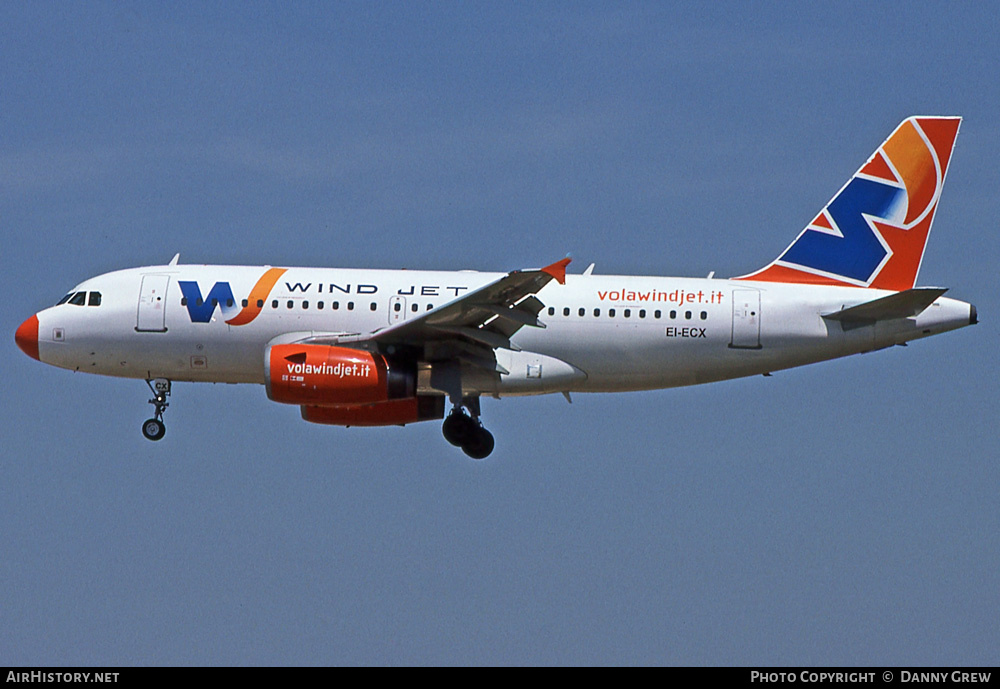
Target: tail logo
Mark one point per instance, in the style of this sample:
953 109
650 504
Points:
873 232
842 241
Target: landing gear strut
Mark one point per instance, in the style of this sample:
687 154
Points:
153 428
466 431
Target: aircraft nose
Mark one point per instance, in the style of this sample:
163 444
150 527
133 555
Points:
26 337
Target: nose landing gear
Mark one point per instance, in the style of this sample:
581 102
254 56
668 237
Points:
467 431
153 429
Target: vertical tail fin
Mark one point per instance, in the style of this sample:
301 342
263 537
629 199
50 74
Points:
873 232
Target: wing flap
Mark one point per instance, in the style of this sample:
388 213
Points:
516 315
489 338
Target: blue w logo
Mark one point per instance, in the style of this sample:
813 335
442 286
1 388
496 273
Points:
859 252
200 309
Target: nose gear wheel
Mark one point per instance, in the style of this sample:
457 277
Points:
154 428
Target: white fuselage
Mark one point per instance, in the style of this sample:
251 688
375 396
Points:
602 333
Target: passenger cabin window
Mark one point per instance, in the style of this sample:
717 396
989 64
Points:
552 309
373 306
319 305
566 311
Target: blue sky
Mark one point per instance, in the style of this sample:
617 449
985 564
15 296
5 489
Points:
844 513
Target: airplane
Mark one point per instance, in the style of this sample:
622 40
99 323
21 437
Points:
393 347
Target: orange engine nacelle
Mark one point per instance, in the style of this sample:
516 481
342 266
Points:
390 413
322 375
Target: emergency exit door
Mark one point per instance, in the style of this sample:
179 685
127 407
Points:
397 310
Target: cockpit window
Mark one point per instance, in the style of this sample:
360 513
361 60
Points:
80 299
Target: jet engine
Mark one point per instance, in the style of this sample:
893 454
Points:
389 413
323 375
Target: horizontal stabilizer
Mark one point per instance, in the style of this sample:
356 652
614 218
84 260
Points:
906 304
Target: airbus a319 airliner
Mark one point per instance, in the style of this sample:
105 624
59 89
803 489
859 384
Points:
380 347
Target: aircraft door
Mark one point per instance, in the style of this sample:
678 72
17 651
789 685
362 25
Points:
397 310
746 319
151 315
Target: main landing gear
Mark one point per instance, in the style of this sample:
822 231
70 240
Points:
153 428
467 431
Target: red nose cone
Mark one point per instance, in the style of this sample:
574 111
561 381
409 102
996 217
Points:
27 337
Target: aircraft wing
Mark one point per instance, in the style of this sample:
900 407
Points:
470 327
